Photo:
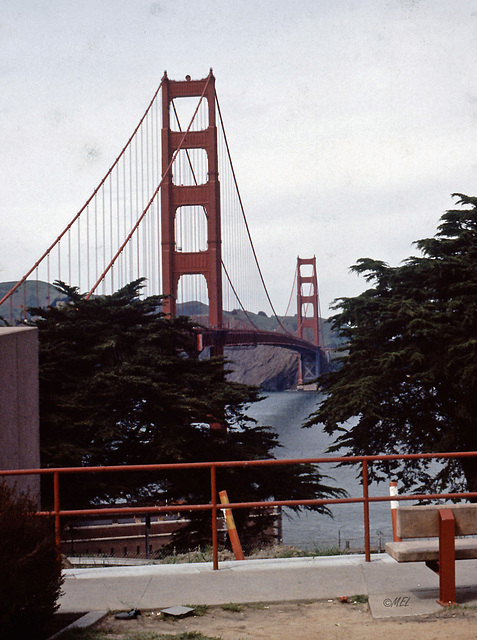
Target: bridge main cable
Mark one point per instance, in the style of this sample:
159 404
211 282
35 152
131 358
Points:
153 197
84 207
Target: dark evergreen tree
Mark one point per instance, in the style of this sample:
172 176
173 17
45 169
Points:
120 384
408 380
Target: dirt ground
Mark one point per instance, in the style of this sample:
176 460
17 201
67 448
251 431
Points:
328 620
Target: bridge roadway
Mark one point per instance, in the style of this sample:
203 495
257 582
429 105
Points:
248 337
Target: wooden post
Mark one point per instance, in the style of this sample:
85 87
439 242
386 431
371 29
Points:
231 528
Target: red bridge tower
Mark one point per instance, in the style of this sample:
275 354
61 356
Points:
308 318
178 263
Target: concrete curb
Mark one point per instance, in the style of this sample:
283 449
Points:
394 589
85 621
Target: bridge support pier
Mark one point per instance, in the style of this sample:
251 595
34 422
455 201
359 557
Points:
309 367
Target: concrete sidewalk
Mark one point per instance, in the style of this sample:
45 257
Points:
394 589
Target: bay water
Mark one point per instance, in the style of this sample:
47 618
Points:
285 412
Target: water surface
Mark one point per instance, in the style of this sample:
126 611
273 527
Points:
286 411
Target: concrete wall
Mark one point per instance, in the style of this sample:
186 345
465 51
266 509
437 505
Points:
19 404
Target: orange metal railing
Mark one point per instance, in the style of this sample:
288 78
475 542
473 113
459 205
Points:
213 506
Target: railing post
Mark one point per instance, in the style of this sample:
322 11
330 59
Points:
56 492
394 507
213 499
147 528
446 558
367 546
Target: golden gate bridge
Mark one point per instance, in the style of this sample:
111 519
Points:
162 213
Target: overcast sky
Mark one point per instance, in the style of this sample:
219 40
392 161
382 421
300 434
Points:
350 122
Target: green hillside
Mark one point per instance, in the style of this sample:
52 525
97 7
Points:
41 294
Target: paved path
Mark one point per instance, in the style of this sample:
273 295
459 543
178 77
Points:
394 589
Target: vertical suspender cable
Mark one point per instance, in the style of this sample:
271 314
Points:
137 209
45 255
124 220
37 288
104 232
150 162
141 217
111 234
131 224
96 257
158 209
244 218
59 262
79 254
144 243
48 276
69 256
118 229
88 283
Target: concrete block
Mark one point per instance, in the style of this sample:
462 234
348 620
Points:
423 521
19 405
425 550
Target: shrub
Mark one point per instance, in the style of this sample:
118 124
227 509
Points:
30 569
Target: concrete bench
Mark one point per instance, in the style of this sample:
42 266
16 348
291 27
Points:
443 523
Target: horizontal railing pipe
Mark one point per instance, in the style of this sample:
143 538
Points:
57 513
238 463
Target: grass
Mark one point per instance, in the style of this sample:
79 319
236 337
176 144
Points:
460 607
330 551
232 606
359 598
205 554
258 605
199 609
198 555
293 552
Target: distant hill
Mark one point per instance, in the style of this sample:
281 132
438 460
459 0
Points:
238 318
271 368
263 366
33 294
41 294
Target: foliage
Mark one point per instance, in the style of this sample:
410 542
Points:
359 598
29 566
120 383
408 380
232 606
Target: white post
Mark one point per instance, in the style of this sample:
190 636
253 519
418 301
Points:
394 507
